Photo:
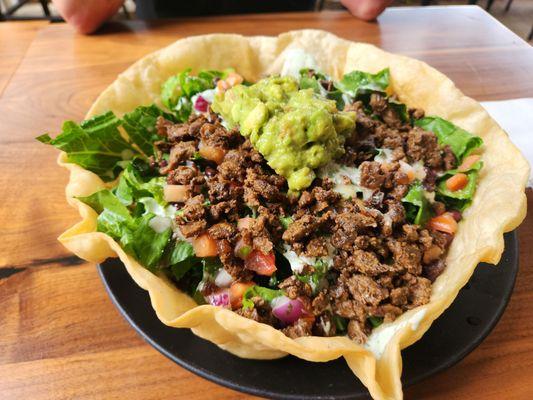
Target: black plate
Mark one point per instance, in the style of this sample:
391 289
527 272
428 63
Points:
456 333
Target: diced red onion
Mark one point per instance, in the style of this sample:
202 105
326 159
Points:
223 279
201 104
456 215
219 299
287 310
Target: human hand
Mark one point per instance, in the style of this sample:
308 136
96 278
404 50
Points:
88 15
366 10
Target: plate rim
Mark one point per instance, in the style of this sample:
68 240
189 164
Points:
511 240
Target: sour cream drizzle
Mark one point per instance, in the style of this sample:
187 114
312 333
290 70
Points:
346 180
379 339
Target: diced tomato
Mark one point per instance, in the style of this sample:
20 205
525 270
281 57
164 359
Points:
457 182
468 162
211 153
222 85
236 292
234 79
176 193
262 264
205 246
443 223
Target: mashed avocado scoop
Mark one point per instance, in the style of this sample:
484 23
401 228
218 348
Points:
295 130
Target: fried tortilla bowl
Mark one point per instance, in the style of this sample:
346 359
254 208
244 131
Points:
499 204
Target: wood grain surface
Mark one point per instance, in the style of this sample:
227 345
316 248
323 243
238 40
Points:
60 336
14 41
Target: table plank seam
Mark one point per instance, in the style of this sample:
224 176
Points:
65 261
19 62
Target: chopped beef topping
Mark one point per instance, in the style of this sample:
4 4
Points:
302 327
295 288
360 257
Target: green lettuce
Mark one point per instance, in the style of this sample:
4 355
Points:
204 271
138 181
341 324
126 212
140 124
114 217
181 251
417 206
182 258
266 294
147 244
316 278
375 321
134 234
177 91
310 79
95 144
459 199
286 221
460 141
211 265
358 82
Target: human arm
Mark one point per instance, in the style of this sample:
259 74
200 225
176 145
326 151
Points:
366 10
88 15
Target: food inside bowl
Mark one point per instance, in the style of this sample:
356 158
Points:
316 206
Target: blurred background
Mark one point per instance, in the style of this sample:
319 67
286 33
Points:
517 15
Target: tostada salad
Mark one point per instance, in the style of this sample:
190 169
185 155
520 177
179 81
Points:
320 207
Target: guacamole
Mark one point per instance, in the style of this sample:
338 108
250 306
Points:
295 130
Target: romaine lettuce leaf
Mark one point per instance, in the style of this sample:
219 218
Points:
139 181
183 109
114 218
460 141
286 221
375 321
181 251
341 324
95 144
140 126
265 293
180 269
126 215
177 90
357 82
210 74
135 235
417 206
211 265
147 244
310 79
105 199
459 199
316 278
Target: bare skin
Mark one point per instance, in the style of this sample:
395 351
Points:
367 10
88 15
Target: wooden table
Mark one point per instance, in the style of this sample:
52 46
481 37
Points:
60 336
